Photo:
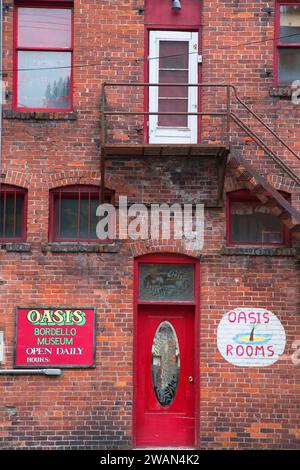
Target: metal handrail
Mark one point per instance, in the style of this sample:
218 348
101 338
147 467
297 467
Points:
263 123
265 147
228 113
160 113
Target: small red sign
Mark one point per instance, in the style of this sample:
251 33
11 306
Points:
55 337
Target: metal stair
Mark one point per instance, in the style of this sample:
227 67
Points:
243 171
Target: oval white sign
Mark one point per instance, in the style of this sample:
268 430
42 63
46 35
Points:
251 337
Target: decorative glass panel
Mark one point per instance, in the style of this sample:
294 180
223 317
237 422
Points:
44 28
44 79
166 282
289 24
252 223
165 363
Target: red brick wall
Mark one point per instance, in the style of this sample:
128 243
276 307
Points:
239 408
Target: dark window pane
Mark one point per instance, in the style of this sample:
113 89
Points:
173 54
289 24
289 65
11 211
19 207
9 216
44 28
77 218
44 79
166 282
252 223
173 106
1 215
93 218
68 218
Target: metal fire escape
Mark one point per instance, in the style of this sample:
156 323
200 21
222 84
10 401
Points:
225 149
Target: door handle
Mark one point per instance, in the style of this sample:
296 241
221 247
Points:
191 378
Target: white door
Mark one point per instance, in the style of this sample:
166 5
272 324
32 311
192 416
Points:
173 58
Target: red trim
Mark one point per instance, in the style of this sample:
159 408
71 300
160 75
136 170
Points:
74 192
42 2
147 73
178 259
47 4
16 191
146 78
244 195
277 43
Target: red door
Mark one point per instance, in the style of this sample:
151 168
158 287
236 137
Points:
165 376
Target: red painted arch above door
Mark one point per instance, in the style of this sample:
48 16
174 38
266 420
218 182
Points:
166 351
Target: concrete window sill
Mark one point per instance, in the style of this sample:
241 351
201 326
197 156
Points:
258 251
284 92
19 247
44 116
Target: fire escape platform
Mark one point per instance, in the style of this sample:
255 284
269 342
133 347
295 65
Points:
164 150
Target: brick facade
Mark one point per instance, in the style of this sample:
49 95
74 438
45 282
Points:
240 408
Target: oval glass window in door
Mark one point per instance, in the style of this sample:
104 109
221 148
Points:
165 363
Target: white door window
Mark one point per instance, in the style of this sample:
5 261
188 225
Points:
173 59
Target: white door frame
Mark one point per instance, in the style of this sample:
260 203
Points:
173 135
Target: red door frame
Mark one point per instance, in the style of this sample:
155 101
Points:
177 259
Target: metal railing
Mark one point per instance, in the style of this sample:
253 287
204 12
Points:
227 113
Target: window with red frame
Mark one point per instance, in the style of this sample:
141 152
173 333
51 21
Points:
43 55
250 222
288 42
73 212
13 202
